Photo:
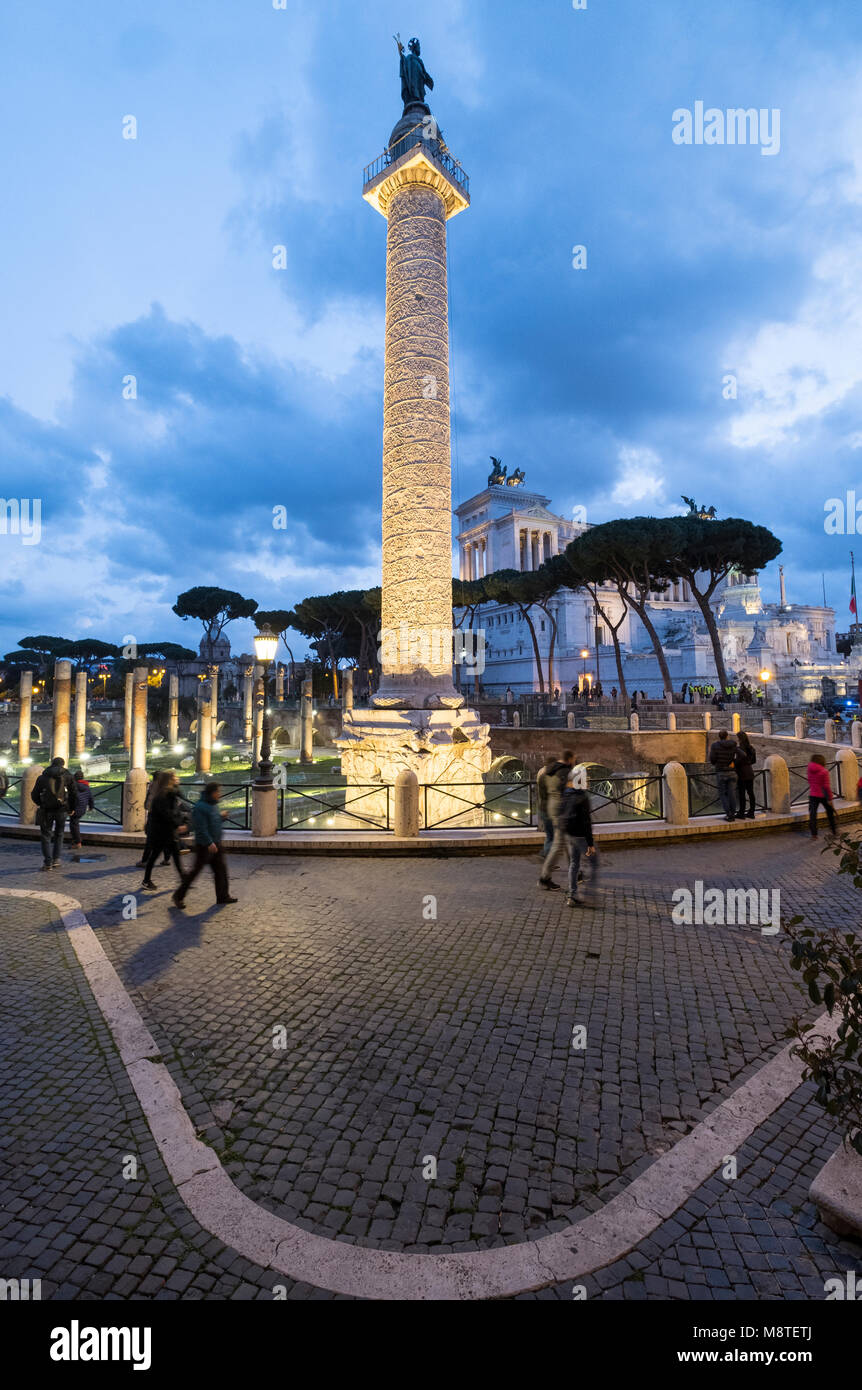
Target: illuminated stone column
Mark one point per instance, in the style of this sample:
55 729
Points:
417 720
347 690
213 675
306 724
25 714
140 689
204 729
173 709
135 785
259 705
279 685
61 709
248 704
80 711
127 711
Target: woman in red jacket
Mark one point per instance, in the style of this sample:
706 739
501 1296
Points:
819 793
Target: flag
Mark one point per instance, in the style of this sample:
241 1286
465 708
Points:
853 595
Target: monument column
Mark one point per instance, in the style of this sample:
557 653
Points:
80 711
61 707
417 719
135 785
204 730
25 714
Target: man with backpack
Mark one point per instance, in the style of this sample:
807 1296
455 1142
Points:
576 823
54 794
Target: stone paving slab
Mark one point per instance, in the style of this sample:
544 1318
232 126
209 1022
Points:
409 1038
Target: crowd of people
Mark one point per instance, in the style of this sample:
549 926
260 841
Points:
58 794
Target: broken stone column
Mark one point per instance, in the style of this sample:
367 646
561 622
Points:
173 709
127 711
307 729
248 704
80 711
25 714
213 675
135 785
204 729
61 709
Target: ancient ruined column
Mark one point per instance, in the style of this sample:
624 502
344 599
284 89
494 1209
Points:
135 785
204 734
279 685
61 709
347 690
139 717
213 673
259 702
25 714
307 725
127 711
80 711
248 704
173 709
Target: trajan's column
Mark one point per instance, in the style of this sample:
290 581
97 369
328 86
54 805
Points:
418 719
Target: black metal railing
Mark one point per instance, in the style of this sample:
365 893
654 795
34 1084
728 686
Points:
108 807
643 797
235 799
704 798
433 145
487 805
334 808
10 804
799 789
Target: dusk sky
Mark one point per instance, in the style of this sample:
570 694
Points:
257 387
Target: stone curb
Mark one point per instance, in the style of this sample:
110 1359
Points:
467 842
359 1272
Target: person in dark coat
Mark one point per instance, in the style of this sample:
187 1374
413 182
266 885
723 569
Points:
166 817
722 755
744 765
577 826
53 792
82 804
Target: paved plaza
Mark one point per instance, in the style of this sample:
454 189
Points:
353 1024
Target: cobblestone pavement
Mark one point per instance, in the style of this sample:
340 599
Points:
409 1035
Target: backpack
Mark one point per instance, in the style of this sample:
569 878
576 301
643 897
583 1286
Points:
53 796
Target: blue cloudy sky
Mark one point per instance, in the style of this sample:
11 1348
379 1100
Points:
258 387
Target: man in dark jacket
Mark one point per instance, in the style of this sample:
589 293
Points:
54 794
577 826
550 785
722 755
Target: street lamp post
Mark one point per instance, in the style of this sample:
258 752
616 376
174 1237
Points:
264 803
766 677
265 645
585 651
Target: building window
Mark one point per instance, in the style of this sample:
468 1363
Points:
600 636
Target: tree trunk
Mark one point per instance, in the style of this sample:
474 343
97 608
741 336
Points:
712 629
551 647
526 616
640 609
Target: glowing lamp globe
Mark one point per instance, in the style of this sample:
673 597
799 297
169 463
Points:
265 645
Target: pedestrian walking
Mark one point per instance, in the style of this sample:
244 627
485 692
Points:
819 793
558 843
549 793
577 825
722 756
148 806
743 764
53 792
167 817
207 826
83 803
